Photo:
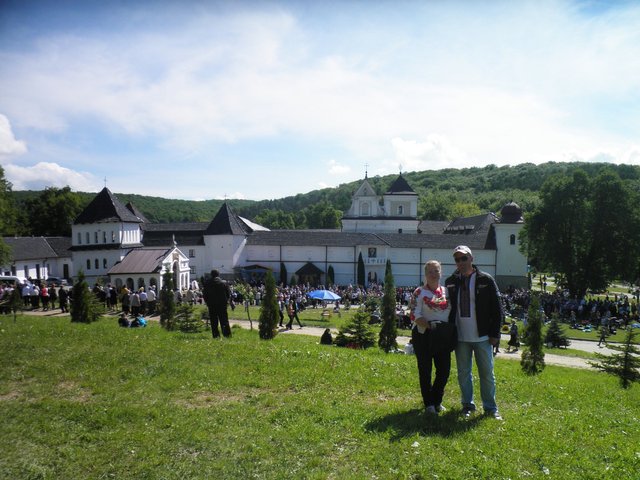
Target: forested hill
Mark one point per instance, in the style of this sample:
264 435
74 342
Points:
444 194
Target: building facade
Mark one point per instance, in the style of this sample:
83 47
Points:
374 229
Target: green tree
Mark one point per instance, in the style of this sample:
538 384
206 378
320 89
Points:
283 274
322 215
268 322
357 333
186 321
584 230
15 302
53 212
532 361
167 302
555 336
389 331
276 220
625 364
360 278
85 307
7 217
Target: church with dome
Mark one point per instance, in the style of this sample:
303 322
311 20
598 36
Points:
115 243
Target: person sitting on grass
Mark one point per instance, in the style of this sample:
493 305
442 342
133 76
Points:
123 321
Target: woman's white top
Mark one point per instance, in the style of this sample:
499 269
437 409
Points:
432 305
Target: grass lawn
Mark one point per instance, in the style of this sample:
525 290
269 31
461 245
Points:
99 401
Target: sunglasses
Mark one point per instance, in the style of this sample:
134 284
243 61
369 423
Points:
462 258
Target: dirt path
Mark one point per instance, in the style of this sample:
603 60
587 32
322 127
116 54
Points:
549 358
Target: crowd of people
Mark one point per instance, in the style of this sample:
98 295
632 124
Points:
616 309
36 294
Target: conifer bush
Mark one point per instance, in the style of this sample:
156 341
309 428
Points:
85 307
357 333
532 361
389 331
167 302
555 336
269 310
186 321
625 364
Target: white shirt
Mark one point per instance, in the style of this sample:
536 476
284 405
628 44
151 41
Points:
433 306
468 326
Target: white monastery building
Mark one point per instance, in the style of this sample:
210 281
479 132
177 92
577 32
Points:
117 244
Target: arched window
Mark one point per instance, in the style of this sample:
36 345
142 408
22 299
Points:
104 263
400 210
88 264
364 209
512 239
96 262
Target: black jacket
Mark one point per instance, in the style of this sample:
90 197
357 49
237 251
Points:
489 312
216 292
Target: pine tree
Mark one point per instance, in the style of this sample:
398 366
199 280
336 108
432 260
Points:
357 333
360 278
389 331
186 320
532 361
85 307
268 310
15 302
331 275
625 365
555 337
167 302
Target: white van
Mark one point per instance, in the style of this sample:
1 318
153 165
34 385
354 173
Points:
12 280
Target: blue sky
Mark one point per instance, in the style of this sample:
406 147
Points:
260 100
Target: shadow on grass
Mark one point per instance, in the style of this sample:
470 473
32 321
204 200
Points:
414 421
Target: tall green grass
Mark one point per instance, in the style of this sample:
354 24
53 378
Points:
99 401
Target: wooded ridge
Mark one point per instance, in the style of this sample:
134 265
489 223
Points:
444 194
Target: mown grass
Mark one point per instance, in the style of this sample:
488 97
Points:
98 401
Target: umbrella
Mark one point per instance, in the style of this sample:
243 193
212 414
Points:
323 295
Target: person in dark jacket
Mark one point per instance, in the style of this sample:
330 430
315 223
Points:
216 295
477 311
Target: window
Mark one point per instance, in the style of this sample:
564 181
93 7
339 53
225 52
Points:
96 263
192 253
113 236
79 238
104 237
364 209
88 238
192 270
104 263
401 210
95 236
512 239
88 264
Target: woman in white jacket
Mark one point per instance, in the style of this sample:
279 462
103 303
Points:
432 337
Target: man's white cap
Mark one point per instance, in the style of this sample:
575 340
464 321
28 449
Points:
462 249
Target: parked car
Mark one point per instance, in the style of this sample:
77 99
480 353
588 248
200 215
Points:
57 281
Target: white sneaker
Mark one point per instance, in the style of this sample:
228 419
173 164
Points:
431 409
440 408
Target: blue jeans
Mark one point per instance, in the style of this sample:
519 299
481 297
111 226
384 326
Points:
483 352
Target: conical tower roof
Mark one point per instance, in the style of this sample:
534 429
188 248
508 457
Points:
226 222
400 186
104 208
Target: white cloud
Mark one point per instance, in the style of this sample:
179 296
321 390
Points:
433 85
336 168
434 153
45 174
9 146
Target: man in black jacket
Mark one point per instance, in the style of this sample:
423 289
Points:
477 311
216 295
